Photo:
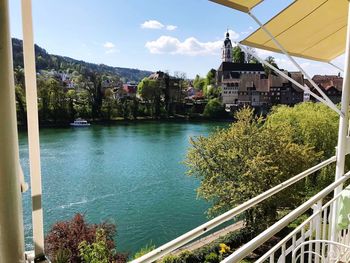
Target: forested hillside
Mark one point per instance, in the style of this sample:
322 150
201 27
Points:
46 61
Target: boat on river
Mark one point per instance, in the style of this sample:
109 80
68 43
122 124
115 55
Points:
80 123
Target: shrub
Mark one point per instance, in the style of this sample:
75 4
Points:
144 250
171 259
67 235
214 109
188 257
62 256
212 258
96 252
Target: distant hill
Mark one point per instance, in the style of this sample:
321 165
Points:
46 61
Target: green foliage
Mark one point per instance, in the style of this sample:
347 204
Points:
62 256
199 83
212 258
171 259
248 158
238 55
311 124
214 109
82 242
144 250
150 92
272 61
98 251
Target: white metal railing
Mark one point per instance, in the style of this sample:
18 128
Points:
199 231
316 227
313 233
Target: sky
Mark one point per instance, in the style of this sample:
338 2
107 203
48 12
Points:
178 35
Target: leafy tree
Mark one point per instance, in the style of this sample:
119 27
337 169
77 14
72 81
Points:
83 104
72 98
57 100
44 98
199 83
272 61
238 55
310 124
21 104
214 109
211 77
150 91
248 158
108 104
250 55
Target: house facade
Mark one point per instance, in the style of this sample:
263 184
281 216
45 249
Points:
247 84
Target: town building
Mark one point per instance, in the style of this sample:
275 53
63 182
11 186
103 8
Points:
331 85
247 83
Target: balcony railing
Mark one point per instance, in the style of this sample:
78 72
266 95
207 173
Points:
235 212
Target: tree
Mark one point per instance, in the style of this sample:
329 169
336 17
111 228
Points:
150 91
214 109
108 104
72 98
236 164
250 55
311 124
272 61
211 77
238 55
198 83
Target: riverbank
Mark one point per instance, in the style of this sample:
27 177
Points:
178 118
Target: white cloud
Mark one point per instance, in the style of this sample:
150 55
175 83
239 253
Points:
171 27
190 46
152 24
108 45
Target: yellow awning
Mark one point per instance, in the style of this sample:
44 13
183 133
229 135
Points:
241 5
312 29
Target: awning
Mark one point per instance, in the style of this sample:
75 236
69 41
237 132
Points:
312 29
241 5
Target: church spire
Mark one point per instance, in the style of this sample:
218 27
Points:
227 49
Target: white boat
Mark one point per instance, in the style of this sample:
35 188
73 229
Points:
80 123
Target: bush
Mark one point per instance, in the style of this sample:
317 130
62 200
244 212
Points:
68 235
96 252
214 109
144 250
212 258
171 259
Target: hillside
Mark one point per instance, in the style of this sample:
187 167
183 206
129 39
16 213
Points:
46 61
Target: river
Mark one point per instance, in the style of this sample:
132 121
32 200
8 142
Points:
130 174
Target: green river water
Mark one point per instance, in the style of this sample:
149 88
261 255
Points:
130 174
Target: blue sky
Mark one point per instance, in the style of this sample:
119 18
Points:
179 35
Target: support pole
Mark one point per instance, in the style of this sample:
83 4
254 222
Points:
11 221
343 129
334 65
284 51
33 128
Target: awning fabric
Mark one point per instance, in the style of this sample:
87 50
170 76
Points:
241 5
312 29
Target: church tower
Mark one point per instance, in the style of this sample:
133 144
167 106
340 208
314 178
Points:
227 49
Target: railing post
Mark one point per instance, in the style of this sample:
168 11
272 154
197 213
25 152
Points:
343 129
33 129
11 221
